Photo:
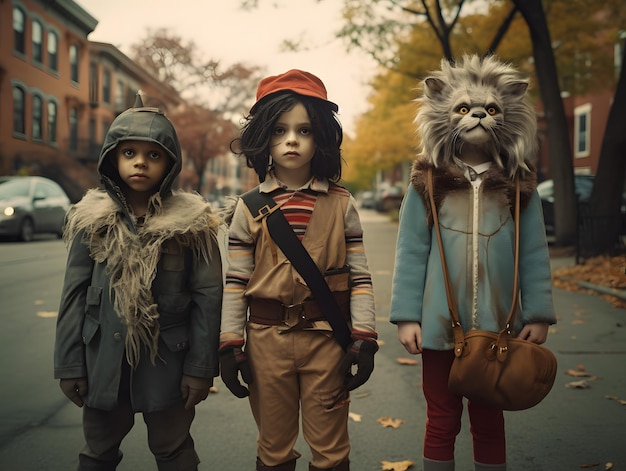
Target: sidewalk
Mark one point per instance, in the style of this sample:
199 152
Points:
573 428
584 417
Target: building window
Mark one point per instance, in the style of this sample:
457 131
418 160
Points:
105 129
37 36
119 96
73 129
19 106
582 131
106 86
52 121
37 117
74 63
53 51
19 20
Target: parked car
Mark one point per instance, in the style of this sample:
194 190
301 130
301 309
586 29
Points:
368 199
31 205
389 198
583 184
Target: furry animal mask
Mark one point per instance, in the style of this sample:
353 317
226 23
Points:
477 103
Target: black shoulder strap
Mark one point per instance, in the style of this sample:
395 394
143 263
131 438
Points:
263 205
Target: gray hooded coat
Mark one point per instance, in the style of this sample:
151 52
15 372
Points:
147 292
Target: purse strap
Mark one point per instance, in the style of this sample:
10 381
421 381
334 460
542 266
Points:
457 329
262 205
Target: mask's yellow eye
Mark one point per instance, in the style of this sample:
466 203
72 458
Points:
463 109
492 110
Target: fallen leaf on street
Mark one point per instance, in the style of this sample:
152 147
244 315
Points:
603 271
354 416
213 390
578 322
590 465
390 422
406 361
617 399
582 384
608 466
47 314
577 373
396 465
361 395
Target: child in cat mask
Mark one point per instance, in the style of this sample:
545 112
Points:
478 134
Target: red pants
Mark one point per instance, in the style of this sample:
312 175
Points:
444 410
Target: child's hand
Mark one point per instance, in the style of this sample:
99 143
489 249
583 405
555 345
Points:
74 389
360 353
195 389
410 335
537 332
232 361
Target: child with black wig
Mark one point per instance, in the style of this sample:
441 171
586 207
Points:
292 139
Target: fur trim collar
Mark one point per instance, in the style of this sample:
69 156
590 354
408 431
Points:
132 251
451 178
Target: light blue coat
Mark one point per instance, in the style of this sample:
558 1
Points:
477 229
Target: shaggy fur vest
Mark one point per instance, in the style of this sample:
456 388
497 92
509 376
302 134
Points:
131 252
451 178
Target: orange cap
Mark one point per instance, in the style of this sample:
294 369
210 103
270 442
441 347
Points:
297 81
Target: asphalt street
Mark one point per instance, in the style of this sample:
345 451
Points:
573 428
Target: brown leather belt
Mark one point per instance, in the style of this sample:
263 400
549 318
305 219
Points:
272 312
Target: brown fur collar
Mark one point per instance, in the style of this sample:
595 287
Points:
451 178
131 257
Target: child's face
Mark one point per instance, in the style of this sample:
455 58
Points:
292 145
141 165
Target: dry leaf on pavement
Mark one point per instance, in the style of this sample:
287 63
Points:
582 384
354 416
406 361
608 466
590 465
617 399
396 465
577 373
390 422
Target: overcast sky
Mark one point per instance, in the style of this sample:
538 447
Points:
224 32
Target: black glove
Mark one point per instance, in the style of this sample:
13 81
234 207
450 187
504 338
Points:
360 353
232 361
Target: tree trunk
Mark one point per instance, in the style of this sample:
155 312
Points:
606 197
561 165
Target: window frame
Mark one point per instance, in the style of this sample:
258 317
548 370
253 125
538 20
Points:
53 56
53 111
37 118
19 111
582 131
19 37
37 52
73 60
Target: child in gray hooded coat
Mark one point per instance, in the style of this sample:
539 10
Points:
139 321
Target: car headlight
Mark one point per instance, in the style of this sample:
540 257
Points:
9 211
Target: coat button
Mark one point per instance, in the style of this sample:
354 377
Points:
117 336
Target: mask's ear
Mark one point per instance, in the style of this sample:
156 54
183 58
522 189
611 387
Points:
433 87
516 89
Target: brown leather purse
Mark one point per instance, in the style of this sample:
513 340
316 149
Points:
494 368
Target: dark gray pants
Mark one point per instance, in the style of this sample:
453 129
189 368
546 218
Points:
168 436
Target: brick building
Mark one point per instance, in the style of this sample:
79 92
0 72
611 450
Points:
59 92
